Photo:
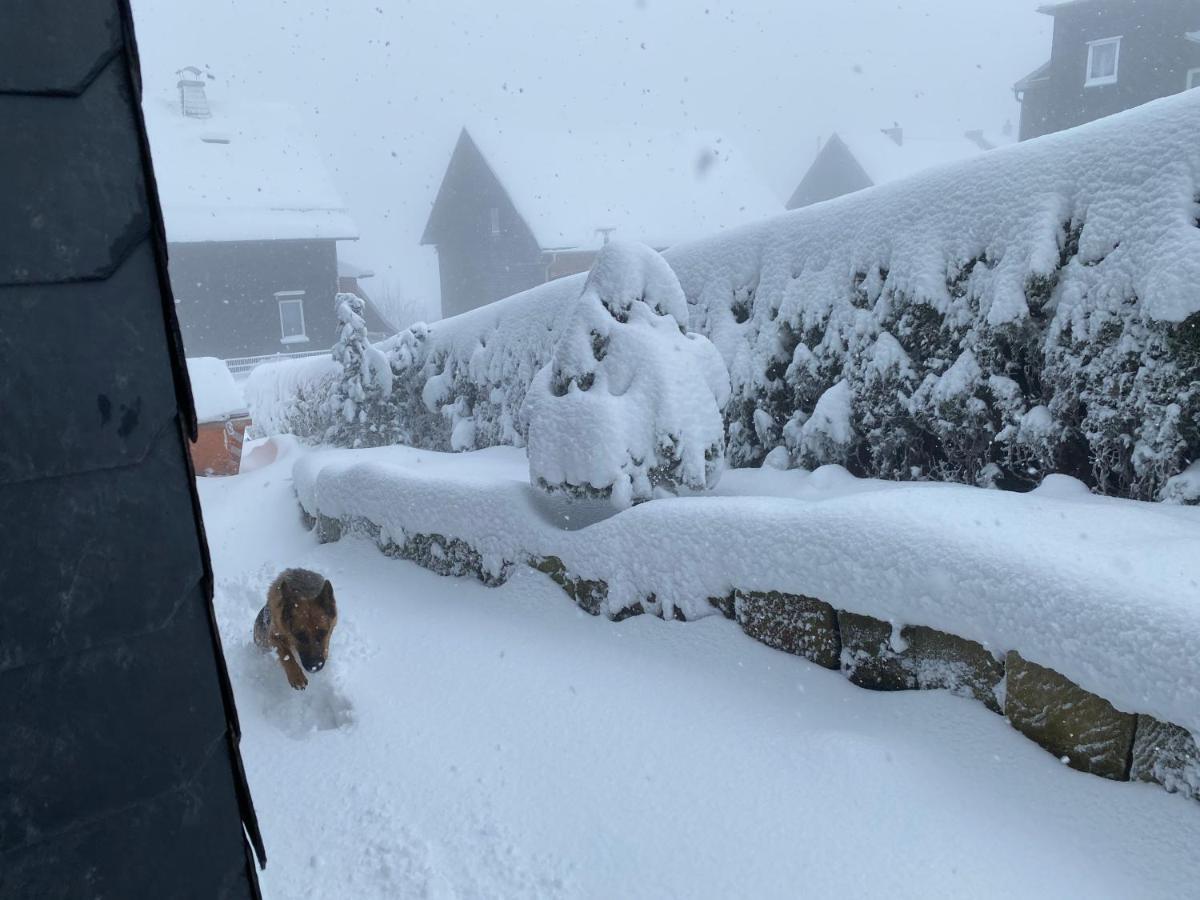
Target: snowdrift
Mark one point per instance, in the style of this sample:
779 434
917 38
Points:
1034 309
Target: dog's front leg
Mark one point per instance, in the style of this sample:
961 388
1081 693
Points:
295 675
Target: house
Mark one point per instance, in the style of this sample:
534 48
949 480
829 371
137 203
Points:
253 222
517 208
853 160
1108 56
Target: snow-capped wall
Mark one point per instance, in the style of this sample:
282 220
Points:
1035 309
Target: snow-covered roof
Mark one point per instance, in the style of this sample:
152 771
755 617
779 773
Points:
249 172
660 188
216 394
884 160
347 269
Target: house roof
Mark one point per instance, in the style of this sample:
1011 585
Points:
1037 76
1051 9
658 188
247 173
885 160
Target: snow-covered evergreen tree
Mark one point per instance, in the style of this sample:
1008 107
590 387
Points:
630 402
360 405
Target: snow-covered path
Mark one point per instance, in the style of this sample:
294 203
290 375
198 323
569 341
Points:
476 742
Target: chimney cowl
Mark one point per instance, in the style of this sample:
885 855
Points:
193 102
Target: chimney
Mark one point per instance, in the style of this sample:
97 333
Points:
896 133
976 137
192 100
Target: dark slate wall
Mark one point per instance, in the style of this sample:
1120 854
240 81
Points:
833 173
1154 61
477 266
119 767
225 295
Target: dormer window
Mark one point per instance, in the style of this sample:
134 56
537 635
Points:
1193 78
1104 58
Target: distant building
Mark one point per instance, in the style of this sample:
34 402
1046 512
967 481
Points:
517 209
1109 56
253 222
851 161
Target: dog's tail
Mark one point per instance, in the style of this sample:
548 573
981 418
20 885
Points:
262 628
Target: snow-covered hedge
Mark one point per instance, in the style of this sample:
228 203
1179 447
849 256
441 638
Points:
1034 309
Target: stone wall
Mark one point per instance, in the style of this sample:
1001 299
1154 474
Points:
1083 730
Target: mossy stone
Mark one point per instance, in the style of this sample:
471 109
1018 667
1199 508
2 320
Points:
1166 754
1084 730
792 623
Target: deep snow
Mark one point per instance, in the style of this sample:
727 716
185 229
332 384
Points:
475 742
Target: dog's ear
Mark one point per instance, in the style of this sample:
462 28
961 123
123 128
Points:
325 599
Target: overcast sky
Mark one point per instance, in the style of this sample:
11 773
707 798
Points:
387 85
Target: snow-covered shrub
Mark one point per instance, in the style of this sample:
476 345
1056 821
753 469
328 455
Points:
360 408
630 402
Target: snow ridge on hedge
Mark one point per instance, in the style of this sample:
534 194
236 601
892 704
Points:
1034 309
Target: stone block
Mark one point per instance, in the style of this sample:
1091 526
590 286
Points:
792 623
1166 754
945 661
725 605
870 657
329 529
1082 729
590 596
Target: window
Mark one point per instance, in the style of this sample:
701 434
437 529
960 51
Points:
1103 61
495 220
291 317
1193 78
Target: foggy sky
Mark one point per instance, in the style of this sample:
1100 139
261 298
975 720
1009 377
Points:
387 85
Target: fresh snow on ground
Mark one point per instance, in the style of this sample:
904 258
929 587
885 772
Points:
466 741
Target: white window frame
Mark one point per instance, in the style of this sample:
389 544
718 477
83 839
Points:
1099 81
494 220
285 298
1193 78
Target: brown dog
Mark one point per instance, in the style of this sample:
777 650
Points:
297 622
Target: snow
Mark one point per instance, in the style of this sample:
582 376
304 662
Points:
885 161
630 401
466 741
282 395
828 424
657 188
214 391
1105 591
250 172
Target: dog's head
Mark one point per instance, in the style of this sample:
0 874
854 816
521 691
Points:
309 619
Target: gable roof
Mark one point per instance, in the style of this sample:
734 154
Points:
881 159
246 173
660 188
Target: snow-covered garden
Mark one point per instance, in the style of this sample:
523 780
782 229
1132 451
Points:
939 437
475 741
